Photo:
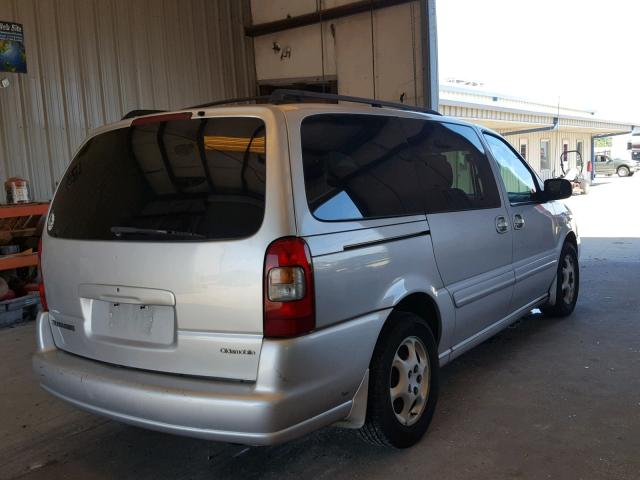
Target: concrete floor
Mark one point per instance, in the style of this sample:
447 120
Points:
544 399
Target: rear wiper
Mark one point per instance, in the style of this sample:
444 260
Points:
119 231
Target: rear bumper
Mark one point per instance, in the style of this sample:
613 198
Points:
192 407
303 384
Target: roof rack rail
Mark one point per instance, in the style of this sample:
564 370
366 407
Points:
284 95
217 103
281 95
140 113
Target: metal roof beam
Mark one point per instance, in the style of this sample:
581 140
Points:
605 135
320 16
549 128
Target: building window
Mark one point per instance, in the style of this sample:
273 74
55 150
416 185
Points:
545 145
523 149
579 149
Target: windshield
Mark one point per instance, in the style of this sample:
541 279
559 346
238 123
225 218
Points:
181 180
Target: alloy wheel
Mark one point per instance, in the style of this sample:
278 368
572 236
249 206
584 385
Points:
568 285
409 381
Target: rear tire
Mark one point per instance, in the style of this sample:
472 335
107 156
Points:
406 356
567 283
623 171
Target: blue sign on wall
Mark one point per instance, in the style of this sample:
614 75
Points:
13 57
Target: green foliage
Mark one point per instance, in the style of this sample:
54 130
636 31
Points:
604 142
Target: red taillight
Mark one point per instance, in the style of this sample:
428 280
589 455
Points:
289 308
43 298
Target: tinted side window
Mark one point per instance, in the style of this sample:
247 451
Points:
517 178
172 181
453 169
358 167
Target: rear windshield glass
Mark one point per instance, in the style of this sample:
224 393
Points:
174 181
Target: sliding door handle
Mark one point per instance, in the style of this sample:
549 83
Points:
518 222
502 224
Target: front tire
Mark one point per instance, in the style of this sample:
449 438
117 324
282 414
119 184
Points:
623 171
403 383
567 283
585 186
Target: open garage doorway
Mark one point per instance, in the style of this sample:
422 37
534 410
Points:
327 85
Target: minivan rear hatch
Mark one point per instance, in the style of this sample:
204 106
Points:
155 245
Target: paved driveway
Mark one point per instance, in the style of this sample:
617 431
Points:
544 399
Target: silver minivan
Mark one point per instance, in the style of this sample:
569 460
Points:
251 273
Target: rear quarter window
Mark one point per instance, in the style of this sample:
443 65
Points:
175 181
372 166
358 167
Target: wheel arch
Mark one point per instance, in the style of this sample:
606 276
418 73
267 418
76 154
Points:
422 305
551 307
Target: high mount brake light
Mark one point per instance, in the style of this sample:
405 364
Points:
289 308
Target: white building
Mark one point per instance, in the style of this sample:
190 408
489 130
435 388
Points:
540 131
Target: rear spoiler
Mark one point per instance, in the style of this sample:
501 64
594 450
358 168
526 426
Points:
140 113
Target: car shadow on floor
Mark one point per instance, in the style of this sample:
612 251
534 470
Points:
113 450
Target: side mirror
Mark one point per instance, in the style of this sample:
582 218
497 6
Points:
557 189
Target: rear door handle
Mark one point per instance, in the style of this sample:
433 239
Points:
502 225
518 222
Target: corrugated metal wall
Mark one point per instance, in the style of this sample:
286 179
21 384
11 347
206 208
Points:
91 61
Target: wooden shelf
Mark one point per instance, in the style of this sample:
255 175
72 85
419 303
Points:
20 220
23 210
10 262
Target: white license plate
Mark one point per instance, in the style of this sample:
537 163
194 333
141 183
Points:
133 323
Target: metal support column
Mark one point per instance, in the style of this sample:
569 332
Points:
429 38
